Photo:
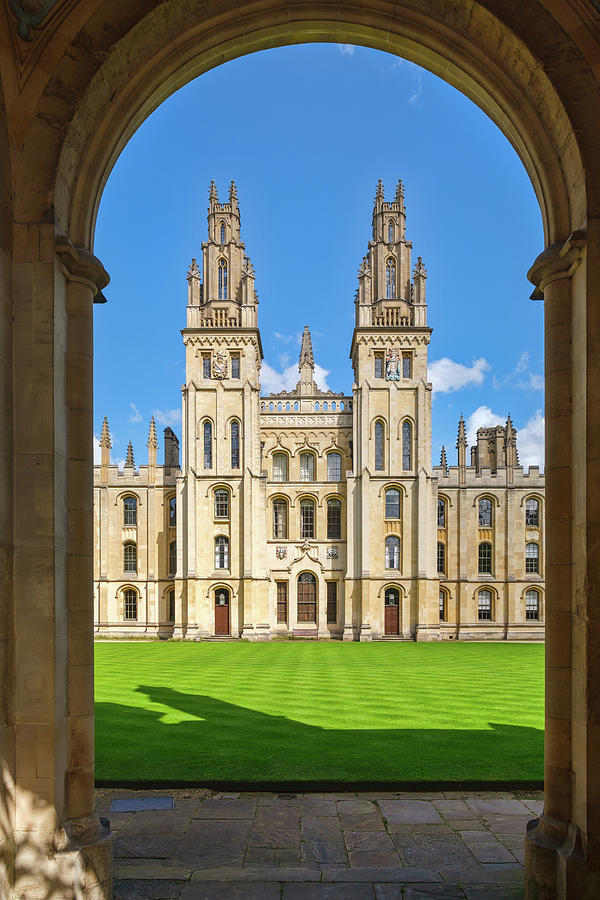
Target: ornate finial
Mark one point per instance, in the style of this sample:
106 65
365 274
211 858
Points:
212 193
129 462
443 460
306 351
399 197
511 436
248 269
419 269
379 191
232 191
462 433
152 438
105 435
193 271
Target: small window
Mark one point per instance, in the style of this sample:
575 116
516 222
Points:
378 365
280 467
532 605
334 467
485 513
390 232
443 607
221 504
392 503
407 365
484 605
172 557
171 606
307 519
222 279
390 279
282 602
172 512
532 513
307 467
130 557
406 446
222 235
441 558
208 445
130 604
129 511
206 365
379 452
235 365
221 553
334 520
485 558
532 558
331 602
280 518
235 445
441 513
392 553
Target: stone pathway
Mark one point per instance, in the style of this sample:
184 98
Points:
325 846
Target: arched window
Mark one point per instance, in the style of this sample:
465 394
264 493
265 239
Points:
221 553
441 513
334 467
532 605
307 519
532 513
390 279
441 558
392 503
172 557
171 606
532 558
334 520
130 557
392 553
307 597
485 558
390 232
484 605
130 604
222 280
307 467
406 446
235 445
129 511
485 513
443 606
172 512
207 445
221 504
222 234
280 518
379 454
280 467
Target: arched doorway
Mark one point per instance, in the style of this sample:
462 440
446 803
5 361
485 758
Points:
392 611
307 599
222 603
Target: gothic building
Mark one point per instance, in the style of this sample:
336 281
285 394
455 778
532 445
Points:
314 513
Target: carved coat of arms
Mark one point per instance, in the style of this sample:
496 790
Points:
220 365
281 552
392 366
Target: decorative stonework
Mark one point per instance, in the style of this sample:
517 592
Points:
392 365
30 14
281 552
219 366
332 552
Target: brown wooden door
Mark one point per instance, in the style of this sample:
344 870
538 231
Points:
221 611
392 612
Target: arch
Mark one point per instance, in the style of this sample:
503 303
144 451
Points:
407 446
222 279
496 504
130 599
308 465
379 449
532 558
485 511
222 502
170 604
334 465
486 598
222 232
307 518
128 493
171 504
334 519
130 561
207 443
222 609
130 508
234 443
390 231
527 598
306 598
280 461
443 601
533 511
442 511
280 506
393 502
390 278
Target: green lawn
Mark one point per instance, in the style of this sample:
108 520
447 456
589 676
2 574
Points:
319 711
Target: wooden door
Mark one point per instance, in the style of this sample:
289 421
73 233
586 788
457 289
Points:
392 612
222 611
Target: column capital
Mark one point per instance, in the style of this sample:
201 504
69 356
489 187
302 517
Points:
81 265
558 261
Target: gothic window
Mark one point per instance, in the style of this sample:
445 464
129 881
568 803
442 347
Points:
485 558
280 467
390 232
441 513
443 606
441 558
484 605
235 445
407 365
334 520
130 604
307 597
222 235
222 280
532 605
282 600
280 517
532 513
307 467
331 602
221 553
172 512
378 373
207 445
235 365
485 513
221 504
307 519
172 557
390 279
206 365
379 455
406 445
392 553
334 467
171 606
129 557
129 511
392 503
532 558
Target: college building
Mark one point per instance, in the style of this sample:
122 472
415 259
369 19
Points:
312 513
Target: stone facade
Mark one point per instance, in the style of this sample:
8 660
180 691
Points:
312 513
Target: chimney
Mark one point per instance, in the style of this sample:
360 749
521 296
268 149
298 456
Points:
171 449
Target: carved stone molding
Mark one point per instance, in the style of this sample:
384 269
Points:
30 14
558 261
81 265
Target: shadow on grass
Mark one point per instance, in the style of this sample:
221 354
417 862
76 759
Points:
229 743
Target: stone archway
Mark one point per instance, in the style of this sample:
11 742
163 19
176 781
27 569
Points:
71 97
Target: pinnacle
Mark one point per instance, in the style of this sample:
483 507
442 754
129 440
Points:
462 434
152 438
129 461
105 435
306 351
212 193
399 198
379 190
443 460
232 191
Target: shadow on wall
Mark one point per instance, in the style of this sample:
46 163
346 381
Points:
223 742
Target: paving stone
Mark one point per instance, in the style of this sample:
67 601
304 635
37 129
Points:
512 841
430 851
144 889
346 807
171 822
275 828
497 806
226 809
401 828
483 874
273 800
126 870
287 856
321 828
328 892
417 891
267 890
399 874
146 846
227 795
312 807
208 843
420 795
362 821
469 836
454 809
409 812
368 840
324 852
362 858
493 892
507 824
490 852
536 806
465 824
259 873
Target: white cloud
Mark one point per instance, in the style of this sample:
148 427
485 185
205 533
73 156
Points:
286 338
136 415
97 451
447 375
483 417
522 363
536 382
530 441
418 88
346 49
167 416
272 381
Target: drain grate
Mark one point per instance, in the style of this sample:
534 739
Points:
137 804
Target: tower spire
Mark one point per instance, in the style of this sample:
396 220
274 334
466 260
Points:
232 191
152 445
379 193
399 196
306 363
105 445
443 460
105 441
212 193
461 446
129 461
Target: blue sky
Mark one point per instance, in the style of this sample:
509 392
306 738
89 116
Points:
306 131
